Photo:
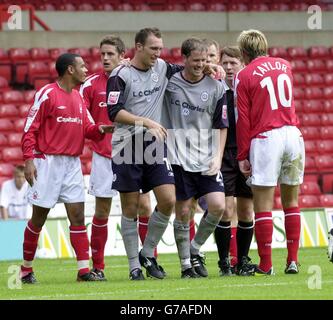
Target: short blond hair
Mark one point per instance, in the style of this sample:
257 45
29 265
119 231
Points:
253 43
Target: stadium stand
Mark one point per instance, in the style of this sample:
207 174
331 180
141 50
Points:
173 5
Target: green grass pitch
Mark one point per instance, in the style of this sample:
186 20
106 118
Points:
57 280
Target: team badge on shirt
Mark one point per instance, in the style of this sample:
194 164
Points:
224 112
113 97
154 77
204 96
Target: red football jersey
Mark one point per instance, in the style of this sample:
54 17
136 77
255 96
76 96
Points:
264 100
57 124
93 92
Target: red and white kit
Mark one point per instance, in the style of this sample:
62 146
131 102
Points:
53 136
93 92
267 123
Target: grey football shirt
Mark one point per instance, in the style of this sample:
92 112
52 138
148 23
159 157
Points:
195 112
139 92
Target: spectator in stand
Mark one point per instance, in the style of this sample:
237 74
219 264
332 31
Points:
13 199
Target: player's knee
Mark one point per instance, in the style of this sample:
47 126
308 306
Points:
217 210
167 204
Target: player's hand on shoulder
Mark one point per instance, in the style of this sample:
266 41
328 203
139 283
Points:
125 62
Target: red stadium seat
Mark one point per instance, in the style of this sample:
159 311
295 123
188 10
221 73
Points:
310 164
19 125
39 54
312 106
327 182
298 106
8 111
311 177
6 125
19 58
260 7
311 119
217 7
13 96
53 71
328 78
6 170
325 146
56 52
298 65
326 132
328 92
311 147
310 187
324 162
3 140
297 52
5 65
310 133
24 109
240 7
297 6
314 79
29 96
12 155
66 7
313 93
95 53
85 7
279 7
326 200
316 65
38 70
328 106
176 52
280 52
309 201
166 54
299 79
95 66
329 65
318 52
196 6
83 52
3 83
299 93
327 119
14 139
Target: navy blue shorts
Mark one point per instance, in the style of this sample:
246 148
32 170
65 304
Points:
194 184
234 181
141 177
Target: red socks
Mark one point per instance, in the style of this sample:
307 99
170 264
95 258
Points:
80 244
143 228
292 225
263 232
30 242
99 236
233 247
192 229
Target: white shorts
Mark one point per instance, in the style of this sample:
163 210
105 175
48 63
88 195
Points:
278 156
59 179
101 177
